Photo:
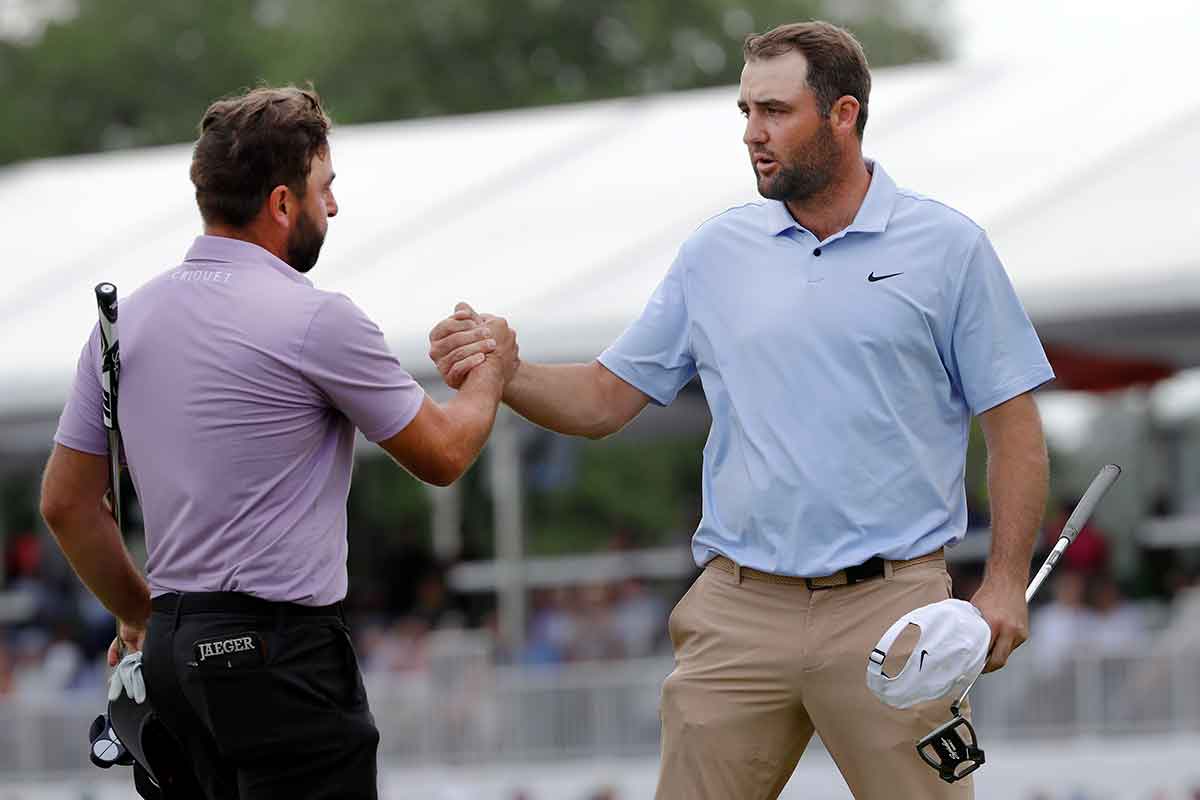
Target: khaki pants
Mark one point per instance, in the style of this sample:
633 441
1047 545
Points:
760 666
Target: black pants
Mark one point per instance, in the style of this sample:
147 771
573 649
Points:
266 698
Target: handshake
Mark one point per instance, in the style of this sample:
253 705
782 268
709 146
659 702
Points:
467 340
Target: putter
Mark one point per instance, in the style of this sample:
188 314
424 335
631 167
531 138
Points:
953 748
107 749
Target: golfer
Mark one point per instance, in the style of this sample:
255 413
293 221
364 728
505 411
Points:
241 388
845 332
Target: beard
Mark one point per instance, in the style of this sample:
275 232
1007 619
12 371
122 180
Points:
304 244
810 172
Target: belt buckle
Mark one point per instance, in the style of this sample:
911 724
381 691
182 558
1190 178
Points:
848 576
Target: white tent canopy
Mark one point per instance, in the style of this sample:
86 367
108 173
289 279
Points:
1083 170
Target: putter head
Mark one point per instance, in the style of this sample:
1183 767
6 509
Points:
952 749
107 749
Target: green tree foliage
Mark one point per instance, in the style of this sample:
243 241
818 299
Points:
626 492
124 73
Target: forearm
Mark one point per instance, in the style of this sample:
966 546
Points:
1018 483
472 413
90 540
562 397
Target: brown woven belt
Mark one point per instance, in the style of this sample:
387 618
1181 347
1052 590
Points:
873 568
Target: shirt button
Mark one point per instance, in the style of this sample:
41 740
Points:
817 252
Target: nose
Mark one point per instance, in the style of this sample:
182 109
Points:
331 207
755 133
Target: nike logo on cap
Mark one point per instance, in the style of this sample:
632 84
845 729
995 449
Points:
922 662
873 277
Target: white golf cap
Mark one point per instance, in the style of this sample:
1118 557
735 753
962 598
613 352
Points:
948 656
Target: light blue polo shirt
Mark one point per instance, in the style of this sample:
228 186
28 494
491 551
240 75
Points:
841 375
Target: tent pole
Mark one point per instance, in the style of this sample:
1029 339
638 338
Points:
504 464
447 522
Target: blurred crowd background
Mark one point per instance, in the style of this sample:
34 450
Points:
605 525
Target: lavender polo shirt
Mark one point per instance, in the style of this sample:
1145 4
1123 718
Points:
241 387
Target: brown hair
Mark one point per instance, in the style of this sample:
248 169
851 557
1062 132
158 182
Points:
837 65
251 143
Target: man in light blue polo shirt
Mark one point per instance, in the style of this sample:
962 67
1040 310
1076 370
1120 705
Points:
845 332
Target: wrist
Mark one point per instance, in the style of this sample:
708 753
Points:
510 386
139 608
489 374
1003 583
140 617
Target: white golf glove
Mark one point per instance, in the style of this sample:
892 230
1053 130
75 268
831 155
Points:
128 676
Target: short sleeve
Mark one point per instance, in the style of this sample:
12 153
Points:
654 353
81 426
994 351
346 357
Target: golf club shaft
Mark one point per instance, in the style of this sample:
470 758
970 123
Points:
110 370
1083 511
110 365
1087 504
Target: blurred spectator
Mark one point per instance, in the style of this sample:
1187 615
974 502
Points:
551 628
595 622
1088 615
1061 625
50 665
407 569
1088 554
640 618
1183 628
96 625
7 681
398 646
1116 626
433 605
595 632
416 602
22 553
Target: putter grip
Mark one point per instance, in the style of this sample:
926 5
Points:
1091 498
106 302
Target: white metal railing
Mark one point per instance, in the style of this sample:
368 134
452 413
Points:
464 710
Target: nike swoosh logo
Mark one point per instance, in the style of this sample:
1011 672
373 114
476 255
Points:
873 277
922 663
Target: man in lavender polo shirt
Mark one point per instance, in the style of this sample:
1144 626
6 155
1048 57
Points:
242 386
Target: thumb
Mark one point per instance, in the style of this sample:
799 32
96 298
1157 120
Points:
465 307
1001 648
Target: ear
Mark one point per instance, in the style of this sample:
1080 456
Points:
279 203
844 114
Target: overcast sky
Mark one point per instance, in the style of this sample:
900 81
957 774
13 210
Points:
989 29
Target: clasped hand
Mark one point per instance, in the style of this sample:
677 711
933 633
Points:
466 340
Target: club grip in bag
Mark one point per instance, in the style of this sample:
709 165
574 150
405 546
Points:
110 358
106 301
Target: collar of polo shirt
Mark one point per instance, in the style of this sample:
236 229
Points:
872 216
224 250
